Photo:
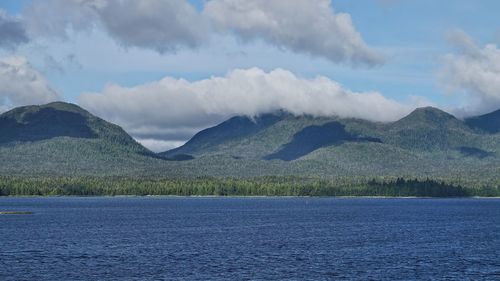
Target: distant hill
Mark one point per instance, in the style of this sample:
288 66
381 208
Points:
288 137
429 128
59 119
427 142
314 137
488 123
61 139
235 128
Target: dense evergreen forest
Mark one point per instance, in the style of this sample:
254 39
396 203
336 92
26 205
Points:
62 149
265 186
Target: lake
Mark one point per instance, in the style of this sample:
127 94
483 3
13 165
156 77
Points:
170 238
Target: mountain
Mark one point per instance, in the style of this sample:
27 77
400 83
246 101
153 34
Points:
488 123
425 129
59 119
427 142
314 137
61 139
235 128
429 128
64 138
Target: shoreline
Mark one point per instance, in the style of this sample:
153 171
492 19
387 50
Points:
244 196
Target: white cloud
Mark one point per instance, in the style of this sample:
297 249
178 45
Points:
160 25
174 109
303 26
22 85
472 70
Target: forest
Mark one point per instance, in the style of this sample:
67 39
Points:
262 186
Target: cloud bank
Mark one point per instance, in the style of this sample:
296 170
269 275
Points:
22 85
473 70
175 109
302 26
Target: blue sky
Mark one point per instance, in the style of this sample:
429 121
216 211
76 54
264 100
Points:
411 32
411 35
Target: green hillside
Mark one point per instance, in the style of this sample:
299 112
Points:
424 131
61 140
426 143
59 119
487 123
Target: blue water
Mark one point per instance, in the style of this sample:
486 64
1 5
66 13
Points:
250 239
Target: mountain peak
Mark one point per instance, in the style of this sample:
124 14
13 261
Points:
57 119
430 111
20 113
64 106
428 115
234 128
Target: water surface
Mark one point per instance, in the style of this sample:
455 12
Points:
167 238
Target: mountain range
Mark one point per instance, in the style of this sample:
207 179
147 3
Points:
62 139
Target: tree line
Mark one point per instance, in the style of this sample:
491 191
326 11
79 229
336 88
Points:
262 186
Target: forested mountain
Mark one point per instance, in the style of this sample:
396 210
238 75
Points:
61 139
59 119
235 128
290 137
427 143
488 123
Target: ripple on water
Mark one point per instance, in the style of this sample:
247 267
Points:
252 239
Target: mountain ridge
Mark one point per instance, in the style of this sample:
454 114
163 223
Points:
487 122
62 139
426 128
57 119
426 143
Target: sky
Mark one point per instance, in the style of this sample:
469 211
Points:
165 69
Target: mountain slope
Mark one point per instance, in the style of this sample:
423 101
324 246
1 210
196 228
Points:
59 119
426 143
429 129
63 138
235 128
290 137
314 137
488 122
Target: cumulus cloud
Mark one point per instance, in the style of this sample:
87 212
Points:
175 109
473 70
303 26
22 85
159 25
12 31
